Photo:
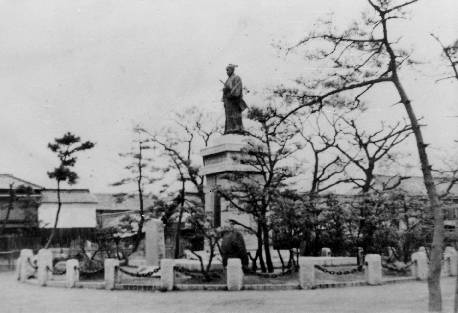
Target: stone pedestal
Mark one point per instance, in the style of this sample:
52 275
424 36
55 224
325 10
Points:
72 273
154 242
234 274
167 274
25 268
226 154
111 273
306 273
373 269
44 266
420 268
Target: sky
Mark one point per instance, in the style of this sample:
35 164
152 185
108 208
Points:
98 68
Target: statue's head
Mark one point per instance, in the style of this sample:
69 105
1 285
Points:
230 69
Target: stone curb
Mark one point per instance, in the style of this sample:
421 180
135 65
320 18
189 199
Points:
219 287
62 284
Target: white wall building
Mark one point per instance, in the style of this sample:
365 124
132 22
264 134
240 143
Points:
78 209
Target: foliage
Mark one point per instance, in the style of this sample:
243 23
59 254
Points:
361 58
178 147
22 198
268 146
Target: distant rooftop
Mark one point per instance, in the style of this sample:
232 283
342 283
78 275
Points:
413 185
7 179
68 196
108 202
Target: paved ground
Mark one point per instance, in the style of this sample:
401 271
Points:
403 297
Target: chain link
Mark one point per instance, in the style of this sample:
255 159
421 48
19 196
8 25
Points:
33 265
149 274
54 272
352 271
397 269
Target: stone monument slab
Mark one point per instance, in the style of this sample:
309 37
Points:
154 242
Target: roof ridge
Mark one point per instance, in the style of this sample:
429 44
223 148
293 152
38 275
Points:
22 180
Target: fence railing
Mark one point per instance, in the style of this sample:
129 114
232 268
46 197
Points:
41 264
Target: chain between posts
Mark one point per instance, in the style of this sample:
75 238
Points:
33 265
352 271
54 272
397 269
149 274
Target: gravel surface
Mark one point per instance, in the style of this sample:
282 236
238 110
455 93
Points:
402 297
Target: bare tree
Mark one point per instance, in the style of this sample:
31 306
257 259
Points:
365 150
451 55
328 165
268 146
180 148
141 170
363 57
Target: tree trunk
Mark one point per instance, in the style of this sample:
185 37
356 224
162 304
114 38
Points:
180 217
138 236
178 234
59 206
435 298
259 251
270 266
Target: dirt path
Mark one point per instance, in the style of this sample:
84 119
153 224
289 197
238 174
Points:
403 297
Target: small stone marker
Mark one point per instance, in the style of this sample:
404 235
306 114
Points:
44 266
234 274
420 268
451 261
111 273
154 242
167 274
360 256
306 273
18 268
26 269
373 269
72 273
326 252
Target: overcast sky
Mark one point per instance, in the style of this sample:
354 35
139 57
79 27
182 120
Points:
97 68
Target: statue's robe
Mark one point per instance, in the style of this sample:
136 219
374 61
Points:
233 104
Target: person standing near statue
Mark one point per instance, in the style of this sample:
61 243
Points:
233 101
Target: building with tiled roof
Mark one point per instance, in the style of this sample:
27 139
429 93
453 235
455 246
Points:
7 179
20 215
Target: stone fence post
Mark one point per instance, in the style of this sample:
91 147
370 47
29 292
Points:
420 268
72 273
234 278
44 266
306 273
167 274
373 269
24 267
111 273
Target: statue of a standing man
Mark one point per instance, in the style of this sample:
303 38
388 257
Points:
234 104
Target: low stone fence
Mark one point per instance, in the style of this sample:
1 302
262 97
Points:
40 266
